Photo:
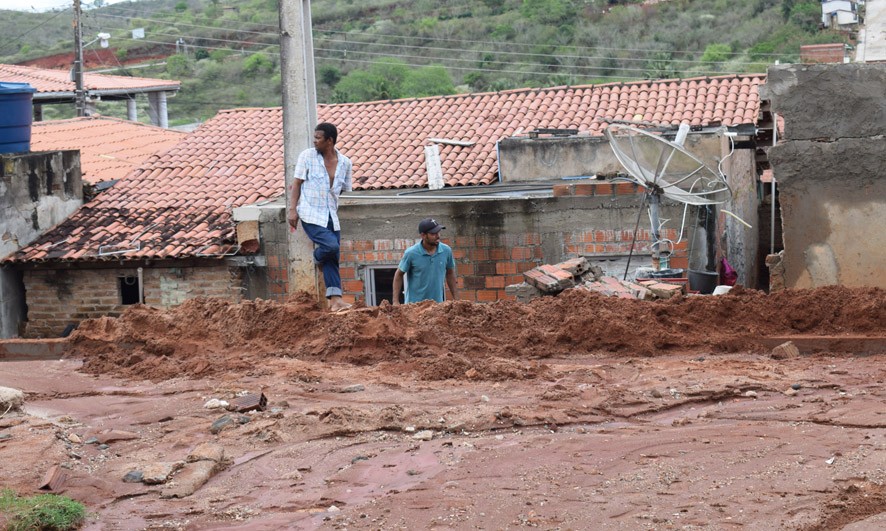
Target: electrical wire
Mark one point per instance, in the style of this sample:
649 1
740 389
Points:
29 31
421 38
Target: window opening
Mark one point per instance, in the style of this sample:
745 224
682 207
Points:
379 284
129 290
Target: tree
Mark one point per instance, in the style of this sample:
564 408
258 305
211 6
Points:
178 66
393 79
807 15
716 53
548 11
431 80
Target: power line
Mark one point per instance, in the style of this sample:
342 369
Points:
441 39
453 59
28 32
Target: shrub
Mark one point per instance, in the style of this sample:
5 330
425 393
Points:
44 512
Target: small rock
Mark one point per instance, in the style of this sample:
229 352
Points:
215 403
472 374
484 398
225 421
91 440
5 436
207 451
424 435
790 392
356 388
157 473
751 394
74 438
409 429
796 387
109 436
133 476
103 446
11 399
656 393
333 509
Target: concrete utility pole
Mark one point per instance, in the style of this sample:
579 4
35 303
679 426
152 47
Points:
79 92
299 120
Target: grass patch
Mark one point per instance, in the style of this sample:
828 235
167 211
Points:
44 512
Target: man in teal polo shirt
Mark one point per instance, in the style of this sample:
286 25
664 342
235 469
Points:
426 265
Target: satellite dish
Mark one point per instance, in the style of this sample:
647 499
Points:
665 169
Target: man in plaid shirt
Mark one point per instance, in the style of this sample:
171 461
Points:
321 175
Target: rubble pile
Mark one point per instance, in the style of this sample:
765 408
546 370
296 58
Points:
578 273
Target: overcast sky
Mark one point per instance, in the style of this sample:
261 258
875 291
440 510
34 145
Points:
46 5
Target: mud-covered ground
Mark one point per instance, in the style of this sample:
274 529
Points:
572 412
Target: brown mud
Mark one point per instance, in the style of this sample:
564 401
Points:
572 412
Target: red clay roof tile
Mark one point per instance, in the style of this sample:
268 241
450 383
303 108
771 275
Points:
178 203
52 82
109 148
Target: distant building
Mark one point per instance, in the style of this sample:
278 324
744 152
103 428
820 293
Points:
837 52
839 14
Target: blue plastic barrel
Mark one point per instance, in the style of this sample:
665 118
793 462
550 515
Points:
16 115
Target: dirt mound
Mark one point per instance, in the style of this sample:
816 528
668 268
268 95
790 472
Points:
460 339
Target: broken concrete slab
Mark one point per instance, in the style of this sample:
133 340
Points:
157 473
189 479
207 451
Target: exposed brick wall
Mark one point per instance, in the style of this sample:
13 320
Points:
58 298
487 263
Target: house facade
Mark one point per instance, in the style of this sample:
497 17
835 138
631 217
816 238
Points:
206 218
837 14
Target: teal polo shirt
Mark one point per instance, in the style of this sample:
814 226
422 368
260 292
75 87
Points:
426 273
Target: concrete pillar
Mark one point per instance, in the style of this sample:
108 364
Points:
299 120
131 110
157 109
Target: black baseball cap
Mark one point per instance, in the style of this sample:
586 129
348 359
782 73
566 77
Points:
429 226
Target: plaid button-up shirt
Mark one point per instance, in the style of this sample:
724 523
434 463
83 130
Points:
319 201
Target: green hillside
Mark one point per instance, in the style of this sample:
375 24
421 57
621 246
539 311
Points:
228 54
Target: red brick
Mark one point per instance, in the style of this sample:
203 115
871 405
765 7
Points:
383 245
532 238
506 268
484 295
625 188
495 282
562 190
362 245
498 253
521 253
585 189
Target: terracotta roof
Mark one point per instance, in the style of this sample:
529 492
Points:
110 148
178 204
53 83
386 139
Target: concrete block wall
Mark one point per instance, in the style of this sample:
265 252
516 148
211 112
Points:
831 172
57 298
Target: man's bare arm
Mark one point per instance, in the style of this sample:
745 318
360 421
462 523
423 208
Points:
452 282
293 206
398 286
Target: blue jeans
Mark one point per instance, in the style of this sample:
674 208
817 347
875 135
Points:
326 253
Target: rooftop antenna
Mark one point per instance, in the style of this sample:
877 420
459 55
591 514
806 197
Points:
665 169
